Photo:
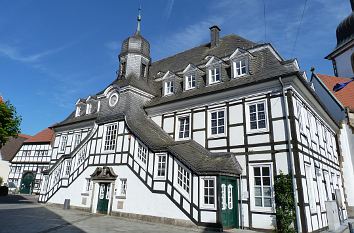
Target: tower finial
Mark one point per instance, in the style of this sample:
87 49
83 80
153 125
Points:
139 20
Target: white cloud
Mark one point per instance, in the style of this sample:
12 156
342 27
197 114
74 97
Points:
169 7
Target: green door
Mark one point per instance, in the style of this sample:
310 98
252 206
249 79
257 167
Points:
229 202
103 198
27 183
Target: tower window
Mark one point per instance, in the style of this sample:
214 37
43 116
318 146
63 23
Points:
143 70
123 68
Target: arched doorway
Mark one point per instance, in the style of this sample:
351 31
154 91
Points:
27 183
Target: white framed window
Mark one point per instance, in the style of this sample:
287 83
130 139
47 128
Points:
111 132
87 185
208 192
123 188
168 88
81 155
68 167
214 75
310 185
78 111
88 108
77 139
161 162
190 81
257 119
217 123
64 140
184 127
261 187
142 153
240 67
183 178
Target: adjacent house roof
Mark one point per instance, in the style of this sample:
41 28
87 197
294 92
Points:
45 135
9 150
346 95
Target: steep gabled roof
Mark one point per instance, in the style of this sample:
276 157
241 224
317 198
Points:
45 135
346 95
9 150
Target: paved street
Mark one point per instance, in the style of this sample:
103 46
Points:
22 214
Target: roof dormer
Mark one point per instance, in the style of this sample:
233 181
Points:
191 77
214 70
80 107
169 83
240 60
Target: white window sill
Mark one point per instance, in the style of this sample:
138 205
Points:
208 207
254 131
217 135
263 209
109 151
212 83
240 76
168 94
188 89
160 178
183 139
121 197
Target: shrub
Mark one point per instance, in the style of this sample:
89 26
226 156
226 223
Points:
284 200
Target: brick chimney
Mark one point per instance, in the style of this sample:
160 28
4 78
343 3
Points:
214 36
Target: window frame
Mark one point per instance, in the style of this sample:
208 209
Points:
171 88
157 168
234 66
187 85
202 192
61 149
122 183
210 112
248 117
105 137
210 75
141 150
310 188
270 209
179 186
178 125
76 135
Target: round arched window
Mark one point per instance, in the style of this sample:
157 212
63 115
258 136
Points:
113 99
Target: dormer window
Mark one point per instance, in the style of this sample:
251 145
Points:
240 67
77 113
190 81
214 75
88 108
169 88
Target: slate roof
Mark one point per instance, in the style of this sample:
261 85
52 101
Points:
9 150
45 135
346 95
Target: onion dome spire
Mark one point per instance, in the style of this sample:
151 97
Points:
139 22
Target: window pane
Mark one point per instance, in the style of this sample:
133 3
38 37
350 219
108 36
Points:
253 125
213 131
257 181
266 181
253 117
267 202
267 191
261 124
221 121
261 116
258 201
252 108
257 191
265 171
260 107
221 114
257 171
221 129
213 115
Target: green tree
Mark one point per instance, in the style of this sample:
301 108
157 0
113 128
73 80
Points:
284 201
9 122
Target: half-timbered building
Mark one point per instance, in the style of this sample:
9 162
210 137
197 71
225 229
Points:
198 138
31 159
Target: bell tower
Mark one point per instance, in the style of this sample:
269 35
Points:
134 57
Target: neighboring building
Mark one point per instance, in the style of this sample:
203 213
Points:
342 56
7 152
341 104
198 138
29 162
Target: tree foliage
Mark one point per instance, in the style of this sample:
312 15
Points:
9 122
284 200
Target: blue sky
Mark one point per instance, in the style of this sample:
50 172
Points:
54 52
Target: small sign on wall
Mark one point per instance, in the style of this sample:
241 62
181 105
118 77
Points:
120 204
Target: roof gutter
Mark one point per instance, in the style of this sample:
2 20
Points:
290 154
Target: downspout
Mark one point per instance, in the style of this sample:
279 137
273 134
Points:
241 211
291 158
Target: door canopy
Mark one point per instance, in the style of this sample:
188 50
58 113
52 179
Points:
103 173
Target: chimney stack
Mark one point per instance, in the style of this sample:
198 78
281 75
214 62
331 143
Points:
214 36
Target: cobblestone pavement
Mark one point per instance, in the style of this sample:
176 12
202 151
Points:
22 214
